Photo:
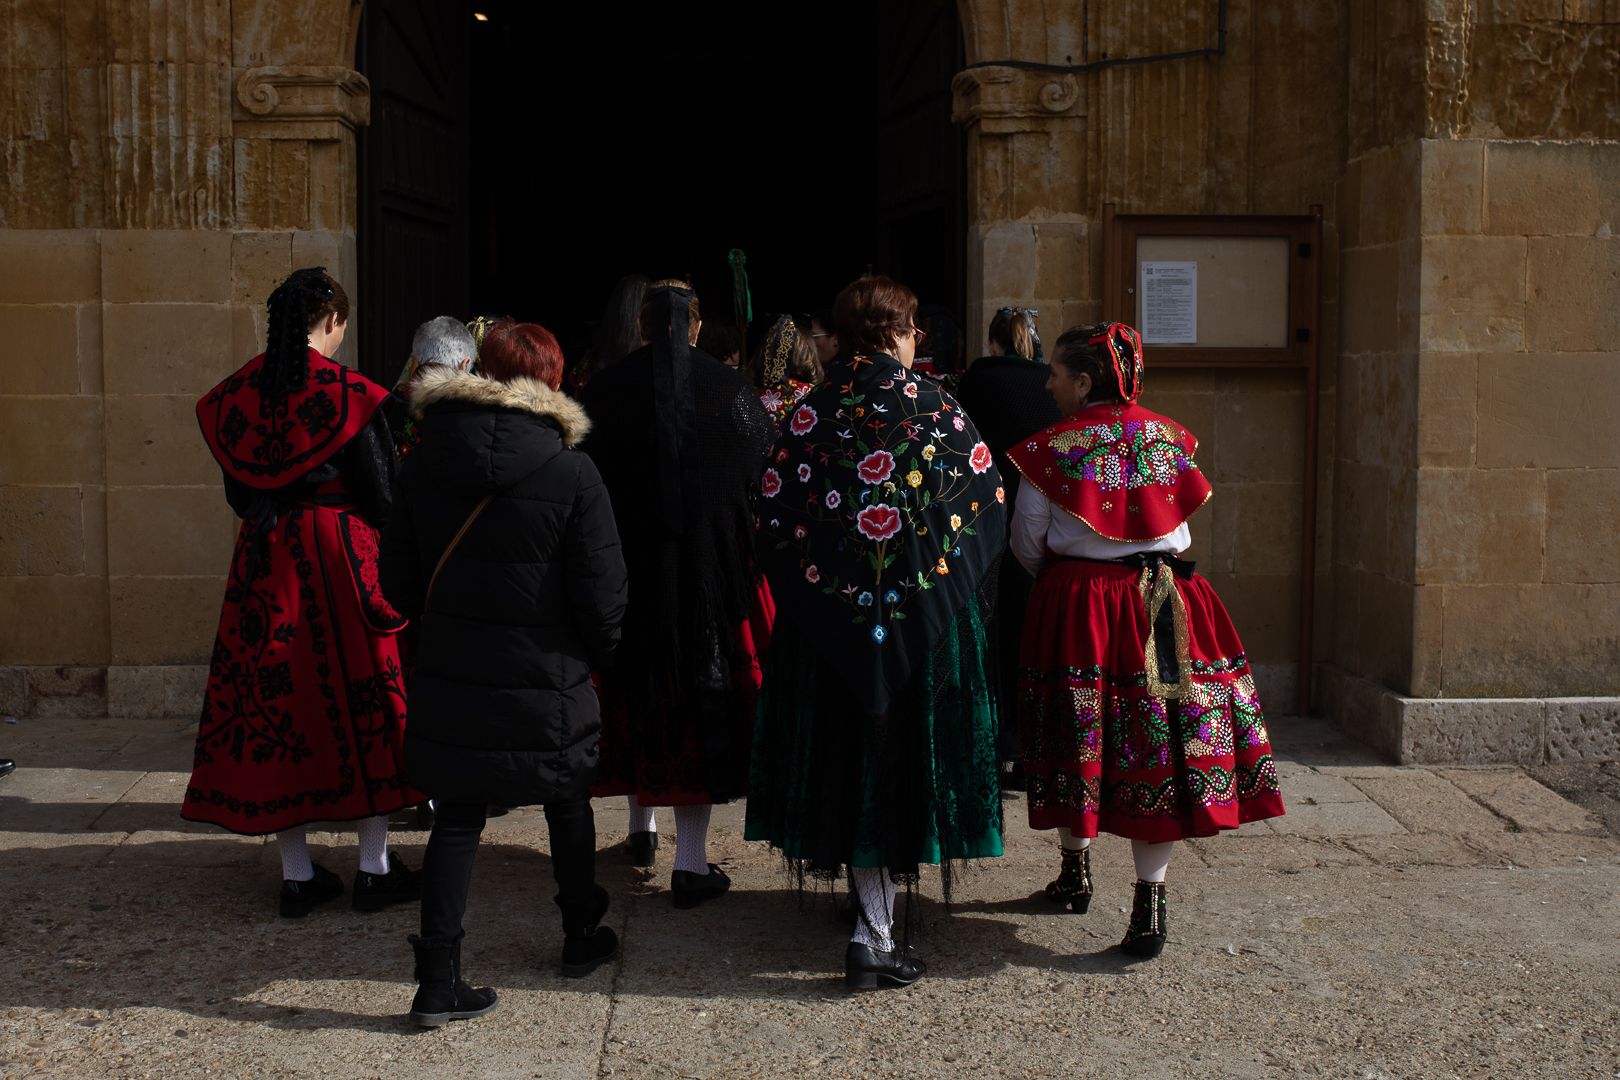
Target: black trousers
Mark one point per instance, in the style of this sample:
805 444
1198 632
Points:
447 867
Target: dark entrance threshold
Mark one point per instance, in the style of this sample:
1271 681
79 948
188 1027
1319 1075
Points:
520 164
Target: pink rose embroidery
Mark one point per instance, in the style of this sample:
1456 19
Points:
878 522
980 458
804 474
875 467
812 575
833 499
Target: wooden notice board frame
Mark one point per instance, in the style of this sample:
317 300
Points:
1300 352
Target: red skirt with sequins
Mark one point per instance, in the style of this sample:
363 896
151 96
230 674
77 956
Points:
1102 751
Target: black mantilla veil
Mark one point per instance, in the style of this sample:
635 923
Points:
680 440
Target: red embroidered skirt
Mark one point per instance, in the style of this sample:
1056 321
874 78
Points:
687 756
305 712
1102 752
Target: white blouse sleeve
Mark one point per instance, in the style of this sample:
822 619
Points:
1032 516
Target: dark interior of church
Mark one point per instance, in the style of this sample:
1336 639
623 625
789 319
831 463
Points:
523 156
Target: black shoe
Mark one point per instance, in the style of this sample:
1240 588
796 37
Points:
643 848
373 892
866 968
1012 777
425 816
299 898
587 945
1073 883
7 766
441 996
588 950
692 889
1145 937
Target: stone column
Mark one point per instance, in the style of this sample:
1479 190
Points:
1479 487
169 161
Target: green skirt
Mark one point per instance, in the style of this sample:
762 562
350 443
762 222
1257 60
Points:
831 786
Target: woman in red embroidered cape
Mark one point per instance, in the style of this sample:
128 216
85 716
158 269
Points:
305 710
1138 712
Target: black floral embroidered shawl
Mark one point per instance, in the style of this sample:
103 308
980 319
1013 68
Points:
266 442
881 512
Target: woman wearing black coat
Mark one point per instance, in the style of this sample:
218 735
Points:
525 605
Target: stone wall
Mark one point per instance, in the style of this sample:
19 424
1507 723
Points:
1476 574
1260 130
167 161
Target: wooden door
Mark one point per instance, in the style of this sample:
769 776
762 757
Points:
413 174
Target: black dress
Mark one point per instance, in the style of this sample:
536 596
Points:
1006 398
678 702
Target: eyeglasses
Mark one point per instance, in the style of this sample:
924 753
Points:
825 333
920 335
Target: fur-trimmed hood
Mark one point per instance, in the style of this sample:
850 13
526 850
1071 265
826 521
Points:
480 435
439 384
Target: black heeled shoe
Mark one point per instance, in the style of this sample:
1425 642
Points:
1145 937
691 889
299 898
373 892
866 968
643 848
1073 883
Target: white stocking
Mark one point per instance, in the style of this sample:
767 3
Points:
294 847
641 817
692 838
1152 860
875 892
1072 842
374 845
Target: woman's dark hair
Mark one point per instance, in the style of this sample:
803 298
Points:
1075 350
513 350
718 340
619 333
871 313
295 308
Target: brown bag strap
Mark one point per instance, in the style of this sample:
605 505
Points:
454 540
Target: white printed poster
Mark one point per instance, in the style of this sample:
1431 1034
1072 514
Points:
1169 303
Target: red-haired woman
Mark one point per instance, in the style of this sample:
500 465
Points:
305 707
502 547
1137 709
881 520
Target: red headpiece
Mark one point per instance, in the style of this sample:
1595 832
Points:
1125 350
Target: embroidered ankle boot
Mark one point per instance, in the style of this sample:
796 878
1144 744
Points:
441 996
1073 884
1145 937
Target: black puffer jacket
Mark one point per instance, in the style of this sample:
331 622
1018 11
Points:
502 708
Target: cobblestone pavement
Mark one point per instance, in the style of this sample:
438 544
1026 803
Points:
1399 922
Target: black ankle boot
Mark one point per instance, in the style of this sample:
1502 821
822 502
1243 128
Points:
587 945
441 996
373 892
1145 937
643 848
1073 883
866 968
691 889
299 898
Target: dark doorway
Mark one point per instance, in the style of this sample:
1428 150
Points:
603 140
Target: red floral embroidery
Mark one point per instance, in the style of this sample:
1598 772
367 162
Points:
812 575
803 420
980 458
875 467
878 522
770 483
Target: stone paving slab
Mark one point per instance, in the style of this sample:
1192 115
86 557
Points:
1364 818
1424 802
1515 796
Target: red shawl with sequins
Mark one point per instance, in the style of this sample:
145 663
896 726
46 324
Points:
268 444
1124 470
